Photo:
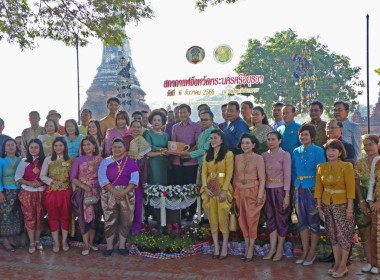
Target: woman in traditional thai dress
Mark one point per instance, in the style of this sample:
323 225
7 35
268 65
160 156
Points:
278 170
137 147
94 130
335 194
32 190
118 177
261 128
249 190
11 223
217 191
51 128
158 141
86 196
362 210
72 138
55 173
304 167
119 131
373 199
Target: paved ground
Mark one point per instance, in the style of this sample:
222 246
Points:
72 265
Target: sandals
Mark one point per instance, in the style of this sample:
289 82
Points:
32 248
340 275
39 246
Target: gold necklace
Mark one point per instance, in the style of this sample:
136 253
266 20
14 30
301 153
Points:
12 163
118 164
35 169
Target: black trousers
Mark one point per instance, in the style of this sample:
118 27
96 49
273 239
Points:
185 175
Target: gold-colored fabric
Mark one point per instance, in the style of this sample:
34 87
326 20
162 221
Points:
362 172
59 170
375 228
305 177
106 123
275 180
47 142
339 178
138 148
117 213
216 175
218 212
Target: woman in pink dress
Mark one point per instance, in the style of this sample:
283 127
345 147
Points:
84 175
121 130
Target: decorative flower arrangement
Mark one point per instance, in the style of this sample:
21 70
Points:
169 239
171 191
357 241
294 237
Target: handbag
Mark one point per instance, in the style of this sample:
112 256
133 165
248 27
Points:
234 225
213 186
294 217
90 200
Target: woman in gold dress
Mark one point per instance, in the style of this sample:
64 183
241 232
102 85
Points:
47 139
217 191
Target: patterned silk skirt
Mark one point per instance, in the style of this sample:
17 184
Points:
11 218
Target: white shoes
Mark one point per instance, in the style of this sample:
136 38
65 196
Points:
305 263
85 252
367 268
299 261
94 248
374 270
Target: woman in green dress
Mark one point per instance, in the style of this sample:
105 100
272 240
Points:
159 143
362 209
261 128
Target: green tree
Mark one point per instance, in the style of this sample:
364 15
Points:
23 21
378 72
201 5
337 79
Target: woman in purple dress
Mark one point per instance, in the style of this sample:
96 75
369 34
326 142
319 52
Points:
86 197
118 177
119 131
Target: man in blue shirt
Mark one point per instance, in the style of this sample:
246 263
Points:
235 128
3 137
289 131
277 115
351 131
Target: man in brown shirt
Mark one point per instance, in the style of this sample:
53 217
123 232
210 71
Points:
113 105
316 111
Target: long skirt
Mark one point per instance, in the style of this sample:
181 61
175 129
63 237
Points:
218 212
88 215
339 229
375 232
58 206
305 203
117 214
10 214
249 212
277 216
143 165
32 206
363 220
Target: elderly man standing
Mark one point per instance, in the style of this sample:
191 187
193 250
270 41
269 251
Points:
289 131
85 117
334 130
54 115
351 131
235 128
31 132
316 111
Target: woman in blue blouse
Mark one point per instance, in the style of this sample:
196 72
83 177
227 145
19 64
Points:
304 167
11 220
72 138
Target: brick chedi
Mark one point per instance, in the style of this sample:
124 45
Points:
104 84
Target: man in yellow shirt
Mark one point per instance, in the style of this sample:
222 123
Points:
113 105
85 117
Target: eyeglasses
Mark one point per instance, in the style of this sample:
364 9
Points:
205 120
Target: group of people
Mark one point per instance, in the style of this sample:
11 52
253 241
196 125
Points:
99 169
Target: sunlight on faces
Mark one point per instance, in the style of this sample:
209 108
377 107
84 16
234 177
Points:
273 142
34 149
50 128
247 145
113 107
121 122
370 147
232 113
118 149
246 111
305 138
257 117
332 154
59 148
88 147
70 127
215 140
315 112
157 122
288 115
333 131
184 115
92 129
136 129
10 147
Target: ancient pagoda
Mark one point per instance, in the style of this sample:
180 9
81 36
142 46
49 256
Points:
104 84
